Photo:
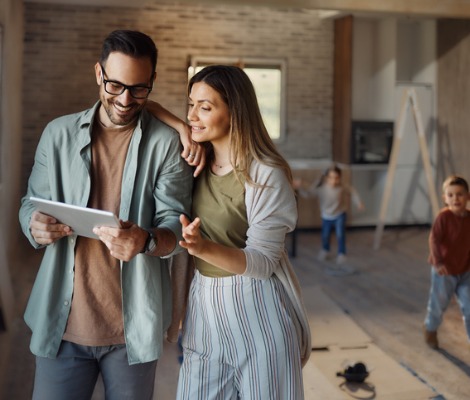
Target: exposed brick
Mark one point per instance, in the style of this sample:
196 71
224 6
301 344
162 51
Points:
62 44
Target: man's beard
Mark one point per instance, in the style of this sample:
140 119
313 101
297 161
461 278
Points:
120 115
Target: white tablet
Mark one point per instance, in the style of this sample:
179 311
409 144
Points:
82 220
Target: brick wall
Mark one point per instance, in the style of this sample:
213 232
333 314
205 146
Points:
62 44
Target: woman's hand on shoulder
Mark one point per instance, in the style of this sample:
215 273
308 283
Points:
194 153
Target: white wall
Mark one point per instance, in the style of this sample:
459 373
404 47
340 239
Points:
374 69
387 51
416 51
389 55
362 67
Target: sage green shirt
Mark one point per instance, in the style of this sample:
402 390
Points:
156 189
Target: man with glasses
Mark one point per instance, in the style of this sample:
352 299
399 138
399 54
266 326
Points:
102 306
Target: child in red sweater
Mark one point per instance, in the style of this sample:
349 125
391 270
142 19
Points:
449 244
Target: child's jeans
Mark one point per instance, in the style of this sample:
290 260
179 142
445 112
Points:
442 289
339 223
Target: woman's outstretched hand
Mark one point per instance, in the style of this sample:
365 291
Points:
193 241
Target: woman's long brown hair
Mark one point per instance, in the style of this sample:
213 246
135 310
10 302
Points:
249 138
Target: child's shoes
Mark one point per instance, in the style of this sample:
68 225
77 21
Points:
430 337
322 255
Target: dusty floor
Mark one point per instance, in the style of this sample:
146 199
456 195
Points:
385 295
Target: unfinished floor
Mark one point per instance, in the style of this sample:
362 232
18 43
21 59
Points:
373 314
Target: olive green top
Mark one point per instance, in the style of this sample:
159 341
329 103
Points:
219 201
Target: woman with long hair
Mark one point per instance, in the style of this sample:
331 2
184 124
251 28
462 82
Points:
245 334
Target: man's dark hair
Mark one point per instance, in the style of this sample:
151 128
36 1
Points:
131 43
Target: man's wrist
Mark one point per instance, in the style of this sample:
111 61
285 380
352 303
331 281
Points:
151 242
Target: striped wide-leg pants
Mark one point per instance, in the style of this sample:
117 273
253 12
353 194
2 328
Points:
239 341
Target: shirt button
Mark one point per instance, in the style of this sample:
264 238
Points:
66 303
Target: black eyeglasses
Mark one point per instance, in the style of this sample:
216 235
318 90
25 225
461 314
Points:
116 88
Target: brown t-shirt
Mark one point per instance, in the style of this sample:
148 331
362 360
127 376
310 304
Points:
449 242
96 314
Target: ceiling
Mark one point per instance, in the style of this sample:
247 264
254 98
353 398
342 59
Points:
423 8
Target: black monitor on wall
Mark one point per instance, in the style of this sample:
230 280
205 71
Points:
371 142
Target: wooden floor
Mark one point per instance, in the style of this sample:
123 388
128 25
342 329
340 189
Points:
385 296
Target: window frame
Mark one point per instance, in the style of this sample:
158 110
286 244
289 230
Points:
252 62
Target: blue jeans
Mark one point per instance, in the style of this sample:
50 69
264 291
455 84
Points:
73 374
339 223
442 289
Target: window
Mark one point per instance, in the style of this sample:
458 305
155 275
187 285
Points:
268 78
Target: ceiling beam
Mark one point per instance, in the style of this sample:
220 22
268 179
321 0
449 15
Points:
424 8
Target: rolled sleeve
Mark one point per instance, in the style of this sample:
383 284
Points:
173 198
